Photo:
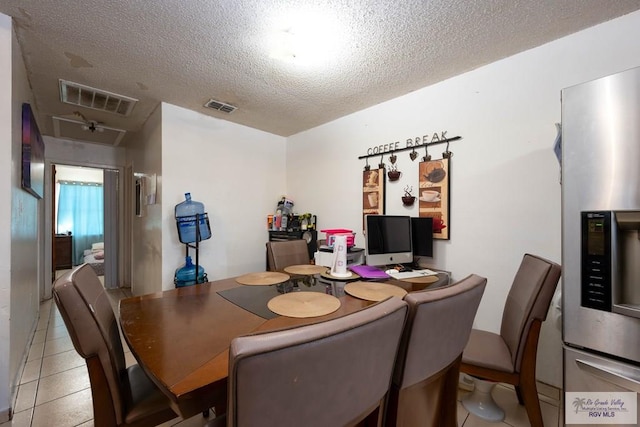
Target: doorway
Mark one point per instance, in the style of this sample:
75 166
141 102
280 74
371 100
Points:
85 220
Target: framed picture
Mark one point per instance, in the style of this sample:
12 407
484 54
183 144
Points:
373 192
434 195
32 154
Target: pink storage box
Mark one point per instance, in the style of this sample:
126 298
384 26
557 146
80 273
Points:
333 232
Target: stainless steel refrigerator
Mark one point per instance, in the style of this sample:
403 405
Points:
601 241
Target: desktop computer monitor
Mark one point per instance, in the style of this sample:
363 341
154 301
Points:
388 239
422 236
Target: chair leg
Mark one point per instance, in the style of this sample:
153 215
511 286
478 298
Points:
531 402
519 394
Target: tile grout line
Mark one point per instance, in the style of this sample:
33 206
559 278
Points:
37 380
46 336
53 313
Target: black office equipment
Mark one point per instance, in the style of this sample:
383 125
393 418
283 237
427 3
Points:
422 236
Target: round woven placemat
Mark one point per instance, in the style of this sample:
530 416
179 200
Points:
264 278
421 279
305 269
303 304
373 291
327 275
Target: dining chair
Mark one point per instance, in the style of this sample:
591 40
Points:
281 254
332 373
425 381
121 396
510 356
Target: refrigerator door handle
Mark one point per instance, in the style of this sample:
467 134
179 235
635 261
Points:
625 381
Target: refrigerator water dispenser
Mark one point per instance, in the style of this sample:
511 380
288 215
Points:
626 286
611 261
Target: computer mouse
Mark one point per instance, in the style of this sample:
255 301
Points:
391 271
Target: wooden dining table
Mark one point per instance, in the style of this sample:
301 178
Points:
181 337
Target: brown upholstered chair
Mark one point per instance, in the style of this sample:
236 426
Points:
425 381
121 396
333 373
286 253
510 357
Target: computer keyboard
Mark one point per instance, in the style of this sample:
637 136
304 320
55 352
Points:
413 273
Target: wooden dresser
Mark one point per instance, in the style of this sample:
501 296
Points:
63 252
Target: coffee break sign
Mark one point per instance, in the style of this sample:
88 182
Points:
410 142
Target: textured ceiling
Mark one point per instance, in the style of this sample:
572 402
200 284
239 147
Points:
186 52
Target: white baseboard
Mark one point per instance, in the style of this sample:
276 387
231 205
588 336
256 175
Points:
5 415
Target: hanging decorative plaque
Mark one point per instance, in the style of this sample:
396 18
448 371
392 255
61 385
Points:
434 195
373 182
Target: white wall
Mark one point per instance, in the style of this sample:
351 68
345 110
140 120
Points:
20 244
79 174
505 191
239 175
70 152
145 157
6 112
26 232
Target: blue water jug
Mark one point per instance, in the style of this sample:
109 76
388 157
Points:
186 275
186 219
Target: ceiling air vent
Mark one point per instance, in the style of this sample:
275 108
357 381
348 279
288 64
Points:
220 106
89 97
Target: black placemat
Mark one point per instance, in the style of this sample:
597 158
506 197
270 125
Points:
255 298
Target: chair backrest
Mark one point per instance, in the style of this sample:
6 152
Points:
88 316
286 253
438 328
528 300
331 373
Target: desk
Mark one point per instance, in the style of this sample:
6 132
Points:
181 338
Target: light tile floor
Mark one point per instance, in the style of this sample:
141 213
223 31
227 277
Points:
516 415
54 389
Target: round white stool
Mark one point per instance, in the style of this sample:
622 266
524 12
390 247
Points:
480 402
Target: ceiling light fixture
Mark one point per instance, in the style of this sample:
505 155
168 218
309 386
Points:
86 130
307 38
92 127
